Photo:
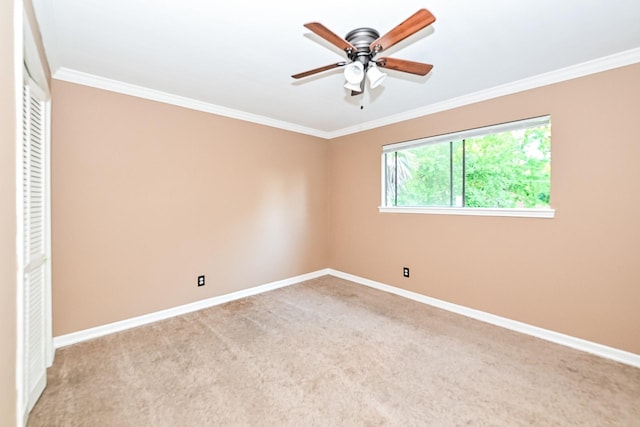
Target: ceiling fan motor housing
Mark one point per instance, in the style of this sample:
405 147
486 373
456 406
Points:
361 39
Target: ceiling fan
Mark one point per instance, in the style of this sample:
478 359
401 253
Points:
363 44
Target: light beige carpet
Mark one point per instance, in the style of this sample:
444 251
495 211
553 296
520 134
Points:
328 352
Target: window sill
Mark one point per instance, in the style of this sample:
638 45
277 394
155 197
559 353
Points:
522 213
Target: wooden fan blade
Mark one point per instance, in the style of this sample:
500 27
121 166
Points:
418 68
318 70
330 36
411 25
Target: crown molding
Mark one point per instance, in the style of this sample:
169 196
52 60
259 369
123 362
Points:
610 62
91 80
586 68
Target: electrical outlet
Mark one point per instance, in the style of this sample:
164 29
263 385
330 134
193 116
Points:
405 271
200 280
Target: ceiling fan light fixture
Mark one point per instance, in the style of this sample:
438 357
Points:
354 73
354 87
362 44
375 76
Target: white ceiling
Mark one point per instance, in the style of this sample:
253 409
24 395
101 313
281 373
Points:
236 57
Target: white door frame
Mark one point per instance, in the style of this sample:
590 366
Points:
25 46
36 325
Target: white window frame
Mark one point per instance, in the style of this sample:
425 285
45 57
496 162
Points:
508 212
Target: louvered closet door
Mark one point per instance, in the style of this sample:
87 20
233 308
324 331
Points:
34 165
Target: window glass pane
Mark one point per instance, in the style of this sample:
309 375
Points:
390 178
457 174
508 169
505 169
426 181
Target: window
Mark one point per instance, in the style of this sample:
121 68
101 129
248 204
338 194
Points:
503 169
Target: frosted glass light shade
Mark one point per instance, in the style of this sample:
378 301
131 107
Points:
375 76
354 72
353 86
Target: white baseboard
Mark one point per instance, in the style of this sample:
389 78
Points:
545 334
110 328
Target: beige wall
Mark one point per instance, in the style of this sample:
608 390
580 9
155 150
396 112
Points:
577 274
147 196
8 261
